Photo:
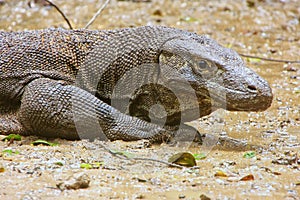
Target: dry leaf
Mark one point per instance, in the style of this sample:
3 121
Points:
249 177
184 159
220 173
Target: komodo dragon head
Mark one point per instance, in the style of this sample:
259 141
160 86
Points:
200 76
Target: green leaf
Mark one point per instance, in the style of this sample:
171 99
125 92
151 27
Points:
229 45
10 152
86 166
199 156
253 60
188 19
43 142
12 137
94 165
59 163
249 154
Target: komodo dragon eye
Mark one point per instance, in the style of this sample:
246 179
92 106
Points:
204 68
203 65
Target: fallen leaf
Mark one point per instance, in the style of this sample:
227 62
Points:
249 177
43 142
10 152
249 154
188 19
2 169
142 180
204 197
250 4
158 12
271 171
86 166
199 156
253 60
229 45
184 159
94 165
12 137
220 173
59 163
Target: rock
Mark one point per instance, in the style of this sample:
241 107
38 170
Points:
77 181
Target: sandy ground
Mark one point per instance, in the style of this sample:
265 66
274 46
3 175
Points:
264 28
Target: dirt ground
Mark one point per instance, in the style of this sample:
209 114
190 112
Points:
264 28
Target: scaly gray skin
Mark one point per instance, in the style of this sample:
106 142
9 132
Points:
64 83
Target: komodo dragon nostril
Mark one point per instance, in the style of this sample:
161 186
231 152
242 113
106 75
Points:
252 88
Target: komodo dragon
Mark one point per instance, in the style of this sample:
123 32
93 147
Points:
132 83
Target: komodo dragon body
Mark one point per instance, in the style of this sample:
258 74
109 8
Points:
129 84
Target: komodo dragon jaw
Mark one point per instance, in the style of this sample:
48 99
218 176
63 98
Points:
217 74
254 94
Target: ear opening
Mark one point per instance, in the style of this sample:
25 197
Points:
164 57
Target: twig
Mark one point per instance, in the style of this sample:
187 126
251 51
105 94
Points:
270 59
156 160
97 14
163 162
122 156
159 161
140 158
62 14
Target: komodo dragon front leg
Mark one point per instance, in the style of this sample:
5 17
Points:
48 107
